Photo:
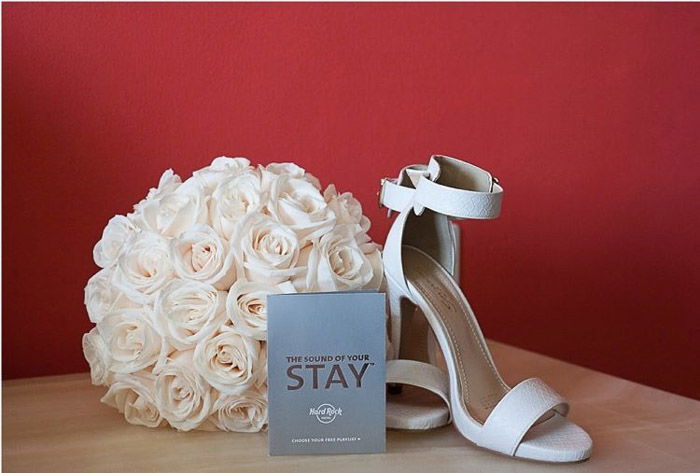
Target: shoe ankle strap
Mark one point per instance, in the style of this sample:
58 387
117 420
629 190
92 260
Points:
458 189
448 186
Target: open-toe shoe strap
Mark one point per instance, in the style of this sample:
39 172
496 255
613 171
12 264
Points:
517 412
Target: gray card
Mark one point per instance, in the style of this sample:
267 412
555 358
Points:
326 377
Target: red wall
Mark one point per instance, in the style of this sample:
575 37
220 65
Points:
589 115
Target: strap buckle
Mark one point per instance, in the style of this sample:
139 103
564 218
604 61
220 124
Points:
380 194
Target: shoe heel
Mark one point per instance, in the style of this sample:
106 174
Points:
400 309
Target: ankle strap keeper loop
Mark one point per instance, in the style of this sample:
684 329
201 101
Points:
397 194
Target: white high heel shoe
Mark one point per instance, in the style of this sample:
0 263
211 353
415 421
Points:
526 421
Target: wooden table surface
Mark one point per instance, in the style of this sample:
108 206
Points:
57 424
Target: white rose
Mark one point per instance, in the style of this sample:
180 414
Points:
246 412
246 306
289 169
134 396
297 203
347 209
272 171
373 253
117 232
233 199
267 250
132 339
220 169
261 380
337 263
144 266
174 212
182 395
229 361
169 181
102 296
299 279
202 255
189 311
98 357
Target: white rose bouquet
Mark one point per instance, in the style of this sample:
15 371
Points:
180 302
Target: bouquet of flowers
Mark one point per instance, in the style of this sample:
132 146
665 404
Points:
180 302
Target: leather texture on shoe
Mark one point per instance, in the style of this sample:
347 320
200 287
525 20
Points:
527 421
